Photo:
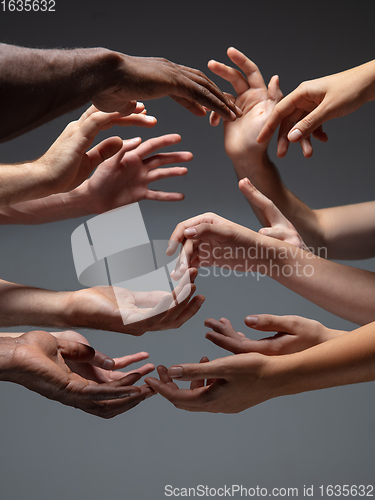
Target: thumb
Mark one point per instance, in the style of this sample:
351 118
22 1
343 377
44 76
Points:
205 230
75 351
271 323
195 371
106 149
274 90
269 210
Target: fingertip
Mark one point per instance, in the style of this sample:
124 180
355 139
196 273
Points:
251 321
108 364
190 232
294 135
152 382
177 137
175 372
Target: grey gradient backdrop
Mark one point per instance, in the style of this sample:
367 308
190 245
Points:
52 451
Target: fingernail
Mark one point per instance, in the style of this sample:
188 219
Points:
239 111
108 364
190 231
176 372
233 115
295 135
252 320
134 394
135 139
150 118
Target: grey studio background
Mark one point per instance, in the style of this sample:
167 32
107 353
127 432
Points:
49 451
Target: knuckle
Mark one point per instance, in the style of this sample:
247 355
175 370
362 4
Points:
267 321
295 322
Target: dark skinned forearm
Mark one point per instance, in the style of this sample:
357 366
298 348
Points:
37 86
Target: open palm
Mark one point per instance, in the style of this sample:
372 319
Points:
254 98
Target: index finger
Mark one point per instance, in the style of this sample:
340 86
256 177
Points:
267 206
282 109
187 399
251 70
177 237
214 99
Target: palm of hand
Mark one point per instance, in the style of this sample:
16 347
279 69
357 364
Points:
112 179
43 357
102 305
240 136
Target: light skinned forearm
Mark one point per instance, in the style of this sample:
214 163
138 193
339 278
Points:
23 305
265 177
40 85
49 209
21 182
347 359
345 291
345 232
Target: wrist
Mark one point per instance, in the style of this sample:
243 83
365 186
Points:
7 358
113 68
108 67
78 202
251 164
369 92
23 182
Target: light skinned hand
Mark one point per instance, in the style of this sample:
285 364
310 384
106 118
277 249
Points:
277 225
314 102
124 178
210 240
134 313
224 385
294 334
253 97
143 78
38 361
68 162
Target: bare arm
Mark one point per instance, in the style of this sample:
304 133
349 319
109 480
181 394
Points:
234 383
104 308
347 232
345 291
312 103
39 85
120 180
